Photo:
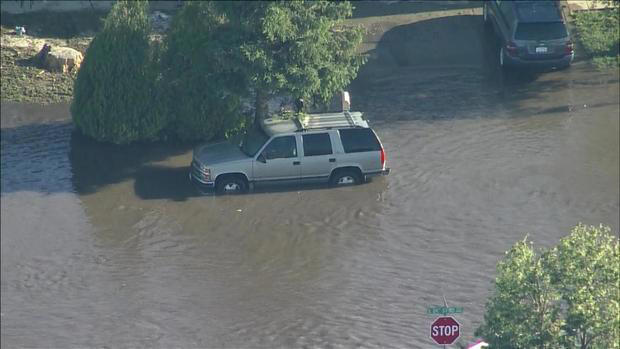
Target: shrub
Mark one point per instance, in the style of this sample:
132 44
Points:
115 93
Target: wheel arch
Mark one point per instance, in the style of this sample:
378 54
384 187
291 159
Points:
232 174
347 168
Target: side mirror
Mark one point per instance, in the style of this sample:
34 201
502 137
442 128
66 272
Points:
261 158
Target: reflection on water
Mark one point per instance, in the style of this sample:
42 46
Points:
111 246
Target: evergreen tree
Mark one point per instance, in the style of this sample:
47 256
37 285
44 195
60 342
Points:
115 93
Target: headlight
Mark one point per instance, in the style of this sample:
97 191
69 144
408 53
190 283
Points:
202 170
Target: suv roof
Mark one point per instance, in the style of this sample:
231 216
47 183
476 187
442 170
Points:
537 11
307 122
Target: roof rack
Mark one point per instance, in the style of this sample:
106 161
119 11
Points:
331 120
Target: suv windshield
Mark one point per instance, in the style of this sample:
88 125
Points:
253 141
541 31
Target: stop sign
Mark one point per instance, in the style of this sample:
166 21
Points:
445 330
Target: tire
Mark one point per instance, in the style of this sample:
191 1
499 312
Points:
342 178
231 185
564 66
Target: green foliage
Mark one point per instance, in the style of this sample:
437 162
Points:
203 86
585 269
217 54
599 32
567 297
524 312
116 93
298 48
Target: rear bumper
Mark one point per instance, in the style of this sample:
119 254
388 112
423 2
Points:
384 172
538 63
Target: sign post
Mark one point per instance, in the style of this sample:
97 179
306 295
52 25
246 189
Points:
445 329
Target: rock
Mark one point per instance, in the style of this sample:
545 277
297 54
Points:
63 59
39 58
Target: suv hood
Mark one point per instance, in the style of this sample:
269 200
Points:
218 153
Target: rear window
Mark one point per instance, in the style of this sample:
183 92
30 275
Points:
541 31
538 11
317 144
357 140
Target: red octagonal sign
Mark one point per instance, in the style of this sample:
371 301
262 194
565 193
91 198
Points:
445 330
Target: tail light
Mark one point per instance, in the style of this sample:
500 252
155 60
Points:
382 157
511 49
568 49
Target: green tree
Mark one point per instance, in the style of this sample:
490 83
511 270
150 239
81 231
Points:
524 311
566 297
296 48
116 93
585 269
203 84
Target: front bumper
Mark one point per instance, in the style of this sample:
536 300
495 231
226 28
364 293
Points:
201 183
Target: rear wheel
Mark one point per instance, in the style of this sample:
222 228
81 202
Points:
231 184
343 178
564 66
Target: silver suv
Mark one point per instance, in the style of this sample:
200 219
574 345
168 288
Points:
335 148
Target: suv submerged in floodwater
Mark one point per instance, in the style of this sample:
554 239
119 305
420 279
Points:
530 33
335 148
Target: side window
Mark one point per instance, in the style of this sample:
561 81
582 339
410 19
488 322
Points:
355 140
281 147
317 144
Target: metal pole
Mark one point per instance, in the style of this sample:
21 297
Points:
445 304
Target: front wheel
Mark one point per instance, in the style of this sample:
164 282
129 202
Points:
345 178
231 185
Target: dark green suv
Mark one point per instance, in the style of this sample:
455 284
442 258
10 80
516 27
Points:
530 33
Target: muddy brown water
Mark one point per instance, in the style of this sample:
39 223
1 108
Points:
111 247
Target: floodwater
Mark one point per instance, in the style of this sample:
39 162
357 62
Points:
107 246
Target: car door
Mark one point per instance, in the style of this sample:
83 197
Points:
505 21
318 157
493 12
279 161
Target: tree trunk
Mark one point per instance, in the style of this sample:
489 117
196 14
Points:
261 106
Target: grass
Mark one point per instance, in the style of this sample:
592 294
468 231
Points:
22 80
598 33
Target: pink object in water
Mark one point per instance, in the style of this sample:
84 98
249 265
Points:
478 345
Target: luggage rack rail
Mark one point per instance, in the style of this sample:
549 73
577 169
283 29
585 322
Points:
327 121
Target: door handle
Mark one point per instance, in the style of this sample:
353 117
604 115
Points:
332 160
296 162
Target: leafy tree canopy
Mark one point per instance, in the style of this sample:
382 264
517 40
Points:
566 297
203 85
299 48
